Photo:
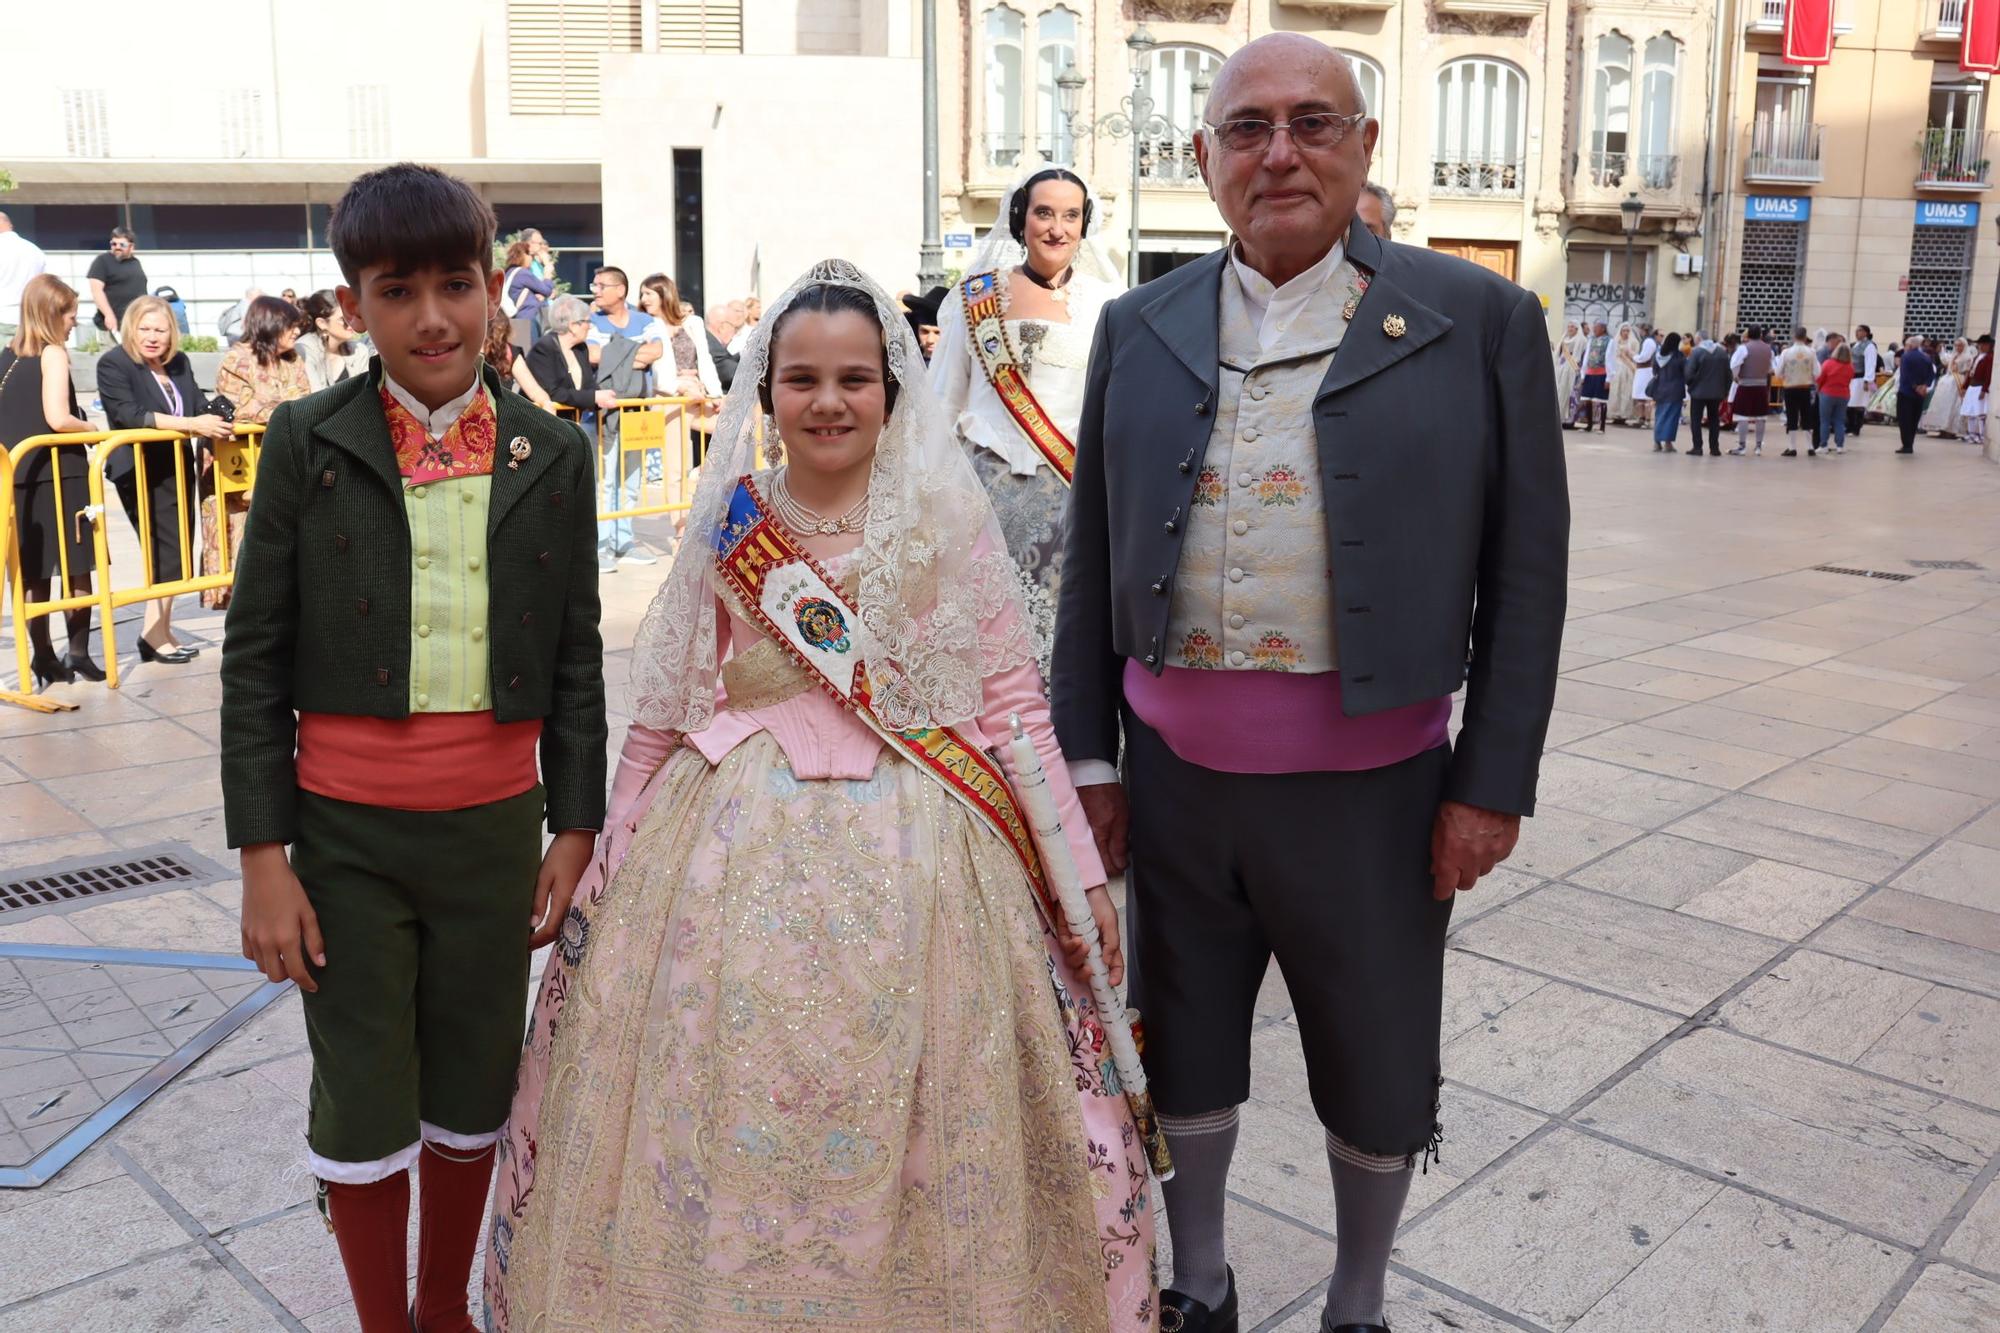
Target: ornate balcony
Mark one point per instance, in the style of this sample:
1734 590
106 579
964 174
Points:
1764 15
1476 176
1168 161
1004 150
1954 160
1944 20
1784 152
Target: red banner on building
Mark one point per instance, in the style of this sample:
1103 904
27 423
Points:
1809 31
1981 23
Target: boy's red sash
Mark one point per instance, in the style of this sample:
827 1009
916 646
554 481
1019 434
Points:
788 595
1003 372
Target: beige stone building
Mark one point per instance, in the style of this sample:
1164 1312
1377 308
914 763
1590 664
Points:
1506 138
1856 192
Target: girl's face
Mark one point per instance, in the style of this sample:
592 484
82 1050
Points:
827 390
1055 225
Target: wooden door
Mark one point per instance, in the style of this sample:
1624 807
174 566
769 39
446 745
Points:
1499 256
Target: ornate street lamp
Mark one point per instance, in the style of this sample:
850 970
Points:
1136 117
1630 214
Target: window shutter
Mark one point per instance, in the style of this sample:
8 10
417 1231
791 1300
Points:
84 128
552 51
701 25
242 122
368 121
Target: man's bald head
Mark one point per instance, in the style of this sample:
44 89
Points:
1290 51
6 223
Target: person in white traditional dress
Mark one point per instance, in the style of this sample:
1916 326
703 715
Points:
1624 367
1023 316
1569 365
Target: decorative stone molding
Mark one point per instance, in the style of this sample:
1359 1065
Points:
1407 204
1498 8
1548 213
1184 11
1335 6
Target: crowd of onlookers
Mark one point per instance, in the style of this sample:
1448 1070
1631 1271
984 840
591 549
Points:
559 350
1825 385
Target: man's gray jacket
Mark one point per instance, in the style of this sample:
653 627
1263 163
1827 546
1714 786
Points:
1447 504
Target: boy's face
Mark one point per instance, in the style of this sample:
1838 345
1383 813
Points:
428 325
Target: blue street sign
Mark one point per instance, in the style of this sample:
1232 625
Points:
958 240
1946 213
1777 208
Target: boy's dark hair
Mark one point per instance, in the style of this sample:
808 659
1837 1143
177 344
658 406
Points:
828 298
264 323
123 233
410 217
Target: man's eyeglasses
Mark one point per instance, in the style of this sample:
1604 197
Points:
1318 129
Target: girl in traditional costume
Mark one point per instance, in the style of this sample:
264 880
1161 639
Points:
1010 368
806 1055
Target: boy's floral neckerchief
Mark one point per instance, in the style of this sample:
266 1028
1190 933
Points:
466 450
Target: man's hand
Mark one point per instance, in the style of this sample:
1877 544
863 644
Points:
1104 806
280 931
1466 843
1105 913
562 867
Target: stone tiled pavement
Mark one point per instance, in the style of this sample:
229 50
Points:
1722 1041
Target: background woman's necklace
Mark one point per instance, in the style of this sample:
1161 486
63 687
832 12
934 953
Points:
810 522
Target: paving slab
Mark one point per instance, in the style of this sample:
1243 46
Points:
1946 1300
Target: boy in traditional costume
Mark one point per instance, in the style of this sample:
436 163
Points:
806 1053
415 619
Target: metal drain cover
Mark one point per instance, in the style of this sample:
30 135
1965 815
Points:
1944 564
1864 573
65 885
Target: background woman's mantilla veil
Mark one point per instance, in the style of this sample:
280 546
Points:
939 597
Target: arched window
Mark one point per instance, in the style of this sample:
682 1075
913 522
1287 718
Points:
1369 75
1657 158
1168 159
1611 110
1055 48
1003 86
1482 128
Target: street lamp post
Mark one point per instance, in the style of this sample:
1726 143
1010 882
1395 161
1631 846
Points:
1136 117
930 258
1630 214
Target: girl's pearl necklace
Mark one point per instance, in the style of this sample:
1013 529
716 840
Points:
810 522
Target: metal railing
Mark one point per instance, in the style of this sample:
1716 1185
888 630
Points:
1168 159
1658 171
1944 18
1784 150
1954 160
1476 174
1607 170
1004 150
1058 150
1766 15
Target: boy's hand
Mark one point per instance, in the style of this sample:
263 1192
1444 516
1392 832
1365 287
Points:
1077 953
562 867
280 930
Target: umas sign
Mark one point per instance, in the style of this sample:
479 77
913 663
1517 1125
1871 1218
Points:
1944 213
1777 208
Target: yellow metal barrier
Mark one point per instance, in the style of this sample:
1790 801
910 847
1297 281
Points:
233 473
661 425
61 599
9 568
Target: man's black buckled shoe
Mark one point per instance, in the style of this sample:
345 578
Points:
1362 1328
1184 1314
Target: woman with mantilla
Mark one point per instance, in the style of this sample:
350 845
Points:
1010 368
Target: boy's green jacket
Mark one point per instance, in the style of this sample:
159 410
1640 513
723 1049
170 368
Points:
319 619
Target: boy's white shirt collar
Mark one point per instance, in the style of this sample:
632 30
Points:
1276 307
436 423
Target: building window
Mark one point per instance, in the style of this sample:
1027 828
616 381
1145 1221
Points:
1658 163
1055 38
1611 110
1954 144
1784 142
1596 291
1369 75
1773 265
552 51
84 129
241 116
1004 42
688 228
829 27
368 121
1940 264
701 25
1482 128
1168 158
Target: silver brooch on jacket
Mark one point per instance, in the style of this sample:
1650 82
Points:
519 449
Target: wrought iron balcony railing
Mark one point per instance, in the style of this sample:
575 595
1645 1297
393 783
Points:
1784 150
1954 160
1476 174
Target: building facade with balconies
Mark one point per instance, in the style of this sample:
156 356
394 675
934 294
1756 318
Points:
1471 95
1855 192
1639 102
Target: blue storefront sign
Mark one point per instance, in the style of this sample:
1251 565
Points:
1777 208
958 240
1946 213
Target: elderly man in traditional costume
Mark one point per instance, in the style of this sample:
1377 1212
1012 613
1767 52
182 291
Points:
1319 487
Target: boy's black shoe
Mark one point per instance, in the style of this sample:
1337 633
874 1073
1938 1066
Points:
1184 1314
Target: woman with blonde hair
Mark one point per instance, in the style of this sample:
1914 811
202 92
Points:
146 383
37 398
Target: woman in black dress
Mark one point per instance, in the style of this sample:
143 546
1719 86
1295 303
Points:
37 398
146 383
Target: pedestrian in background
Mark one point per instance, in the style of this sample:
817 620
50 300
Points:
1867 367
1797 369
523 292
1708 385
1751 366
1915 374
1624 363
256 375
721 328
1836 377
37 398
560 364
117 279
1978 385
20 260
1642 374
1667 387
1941 412
329 348
230 325
1595 388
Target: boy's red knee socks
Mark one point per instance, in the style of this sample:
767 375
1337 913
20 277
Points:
451 1203
371 1225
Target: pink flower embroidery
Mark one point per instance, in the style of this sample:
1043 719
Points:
1199 649
1280 485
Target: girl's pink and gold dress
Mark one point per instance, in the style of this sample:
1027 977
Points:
805 1058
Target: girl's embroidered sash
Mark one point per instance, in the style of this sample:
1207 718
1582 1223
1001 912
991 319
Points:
1004 373
788 595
